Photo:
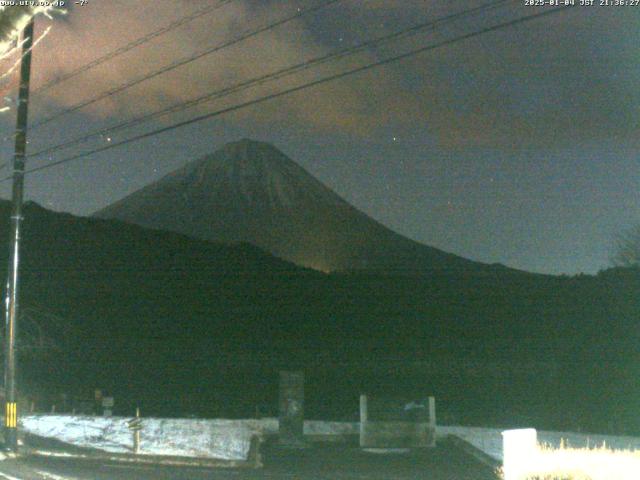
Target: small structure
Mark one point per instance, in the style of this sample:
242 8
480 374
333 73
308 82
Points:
107 405
415 429
291 409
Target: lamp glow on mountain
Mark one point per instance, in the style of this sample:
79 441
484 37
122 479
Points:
251 192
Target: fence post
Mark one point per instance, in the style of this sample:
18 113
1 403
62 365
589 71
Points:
519 448
432 412
432 421
135 425
364 416
136 435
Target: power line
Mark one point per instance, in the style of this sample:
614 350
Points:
133 44
185 61
298 88
274 75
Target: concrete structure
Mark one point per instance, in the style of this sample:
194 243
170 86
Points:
419 431
291 409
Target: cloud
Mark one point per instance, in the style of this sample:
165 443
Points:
557 79
108 25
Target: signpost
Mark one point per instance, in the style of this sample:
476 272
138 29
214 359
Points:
135 425
107 404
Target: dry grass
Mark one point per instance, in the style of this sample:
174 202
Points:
599 463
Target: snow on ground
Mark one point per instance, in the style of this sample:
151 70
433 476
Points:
230 439
222 439
489 440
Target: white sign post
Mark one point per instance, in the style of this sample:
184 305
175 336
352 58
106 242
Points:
107 405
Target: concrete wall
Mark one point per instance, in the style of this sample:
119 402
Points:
204 438
396 434
331 432
417 432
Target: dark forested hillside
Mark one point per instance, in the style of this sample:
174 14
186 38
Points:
187 326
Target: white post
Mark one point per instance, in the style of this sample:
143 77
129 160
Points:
519 448
363 417
136 434
432 412
432 422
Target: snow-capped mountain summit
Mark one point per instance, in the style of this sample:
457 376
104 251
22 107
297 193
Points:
251 173
251 192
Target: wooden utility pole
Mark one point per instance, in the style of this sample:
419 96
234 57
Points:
11 299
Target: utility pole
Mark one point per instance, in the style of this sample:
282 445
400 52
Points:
11 318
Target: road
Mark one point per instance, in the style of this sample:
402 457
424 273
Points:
325 463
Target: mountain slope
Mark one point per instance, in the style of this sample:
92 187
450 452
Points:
251 192
178 325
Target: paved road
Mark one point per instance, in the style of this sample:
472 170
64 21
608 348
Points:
325 463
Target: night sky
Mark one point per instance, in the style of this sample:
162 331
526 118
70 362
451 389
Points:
519 146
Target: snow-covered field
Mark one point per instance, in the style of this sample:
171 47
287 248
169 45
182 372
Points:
230 439
222 439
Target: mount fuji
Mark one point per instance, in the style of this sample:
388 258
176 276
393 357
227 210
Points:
250 191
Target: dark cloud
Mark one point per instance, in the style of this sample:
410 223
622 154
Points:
564 78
